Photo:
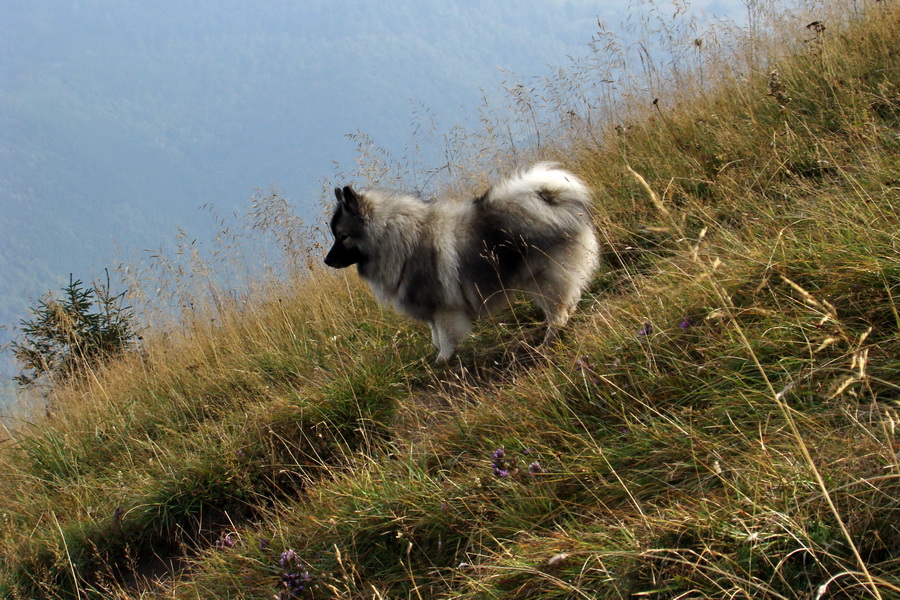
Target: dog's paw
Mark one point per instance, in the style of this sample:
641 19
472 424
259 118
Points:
443 358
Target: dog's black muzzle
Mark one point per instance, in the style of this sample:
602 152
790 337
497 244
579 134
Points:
341 257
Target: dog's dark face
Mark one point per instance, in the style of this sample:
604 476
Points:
348 228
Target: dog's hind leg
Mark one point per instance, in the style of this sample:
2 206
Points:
556 320
558 288
557 300
447 330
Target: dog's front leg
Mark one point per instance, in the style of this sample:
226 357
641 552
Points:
447 331
435 336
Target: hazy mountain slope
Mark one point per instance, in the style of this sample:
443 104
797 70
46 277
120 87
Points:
118 120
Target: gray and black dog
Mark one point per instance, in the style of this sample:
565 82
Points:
449 262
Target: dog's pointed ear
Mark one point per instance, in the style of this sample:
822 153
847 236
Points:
339 195
351 201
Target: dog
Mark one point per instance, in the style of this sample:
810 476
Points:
449 262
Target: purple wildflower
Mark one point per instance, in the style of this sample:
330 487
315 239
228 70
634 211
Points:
294 584
225 542
646 330
295 578
535 468
288 558
687 323
498 464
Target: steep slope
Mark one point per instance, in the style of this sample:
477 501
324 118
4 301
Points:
719 421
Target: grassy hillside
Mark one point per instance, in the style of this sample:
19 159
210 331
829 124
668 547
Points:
719 421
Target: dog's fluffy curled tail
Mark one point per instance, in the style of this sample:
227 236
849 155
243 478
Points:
544 196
